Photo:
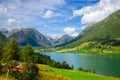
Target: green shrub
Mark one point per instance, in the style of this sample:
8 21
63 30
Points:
30 72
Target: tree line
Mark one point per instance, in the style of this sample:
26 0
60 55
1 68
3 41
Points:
11 55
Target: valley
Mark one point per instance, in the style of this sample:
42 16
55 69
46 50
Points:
93 54
100 38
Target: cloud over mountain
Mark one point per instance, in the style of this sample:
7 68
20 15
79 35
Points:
97 12
70 31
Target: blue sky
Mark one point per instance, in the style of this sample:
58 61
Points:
55 17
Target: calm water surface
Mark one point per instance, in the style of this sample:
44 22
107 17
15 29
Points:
106 65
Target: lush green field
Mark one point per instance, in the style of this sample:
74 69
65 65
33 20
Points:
74 75
92 48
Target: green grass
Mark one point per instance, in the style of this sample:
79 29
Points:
92 48
74 75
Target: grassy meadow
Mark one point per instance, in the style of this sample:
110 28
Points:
92 48
64 74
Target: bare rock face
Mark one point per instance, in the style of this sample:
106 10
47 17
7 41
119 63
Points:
30 36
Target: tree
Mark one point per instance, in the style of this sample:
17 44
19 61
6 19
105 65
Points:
27 54
1 50
11 51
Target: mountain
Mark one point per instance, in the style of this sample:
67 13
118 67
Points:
50 39
30 36
3 38
106 31
62 40
5 31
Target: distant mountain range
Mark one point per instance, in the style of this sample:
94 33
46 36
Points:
107 32
62 40
27 36
33 37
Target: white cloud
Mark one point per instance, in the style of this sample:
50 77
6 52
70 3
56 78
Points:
57 14
48 14
3 9
46 26
28 11
51 4
97 12
71 31
55 36
75 34
12 21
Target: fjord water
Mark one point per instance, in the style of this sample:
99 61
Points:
105 65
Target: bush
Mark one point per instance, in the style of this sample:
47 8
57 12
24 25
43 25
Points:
30 72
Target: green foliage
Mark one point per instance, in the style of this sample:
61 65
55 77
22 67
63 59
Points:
1 50
65 65
0 69
11 57
86 70
27 54
11 51
30 72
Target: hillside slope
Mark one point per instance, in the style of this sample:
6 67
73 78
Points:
47 71
106 31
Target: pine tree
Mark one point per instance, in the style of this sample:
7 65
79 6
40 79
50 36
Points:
11 51
27 54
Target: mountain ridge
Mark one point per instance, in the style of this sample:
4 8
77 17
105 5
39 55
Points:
63 39
107 28
30 36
